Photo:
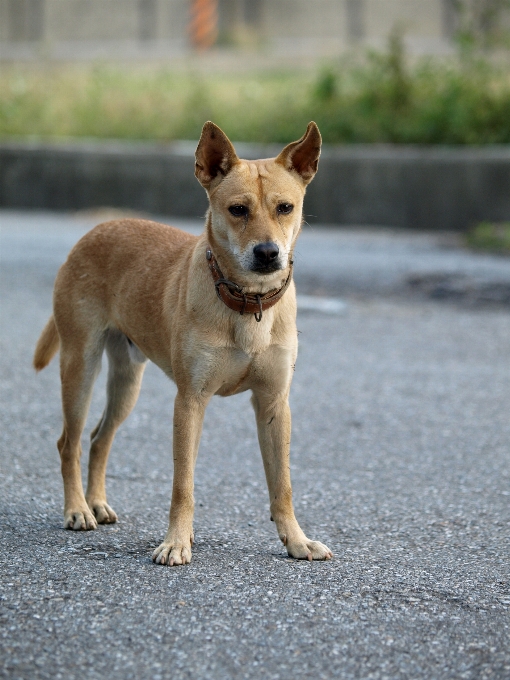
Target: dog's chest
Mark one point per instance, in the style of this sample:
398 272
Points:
224 368
252 337
220 370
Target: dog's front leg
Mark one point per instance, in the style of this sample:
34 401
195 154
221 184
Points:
274 426
188 419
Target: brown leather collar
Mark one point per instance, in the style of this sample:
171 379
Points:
234 297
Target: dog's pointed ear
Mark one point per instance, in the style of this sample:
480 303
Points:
214 156
303 156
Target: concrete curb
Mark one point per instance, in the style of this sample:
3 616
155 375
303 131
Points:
431 188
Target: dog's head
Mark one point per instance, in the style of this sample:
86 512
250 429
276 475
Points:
255 206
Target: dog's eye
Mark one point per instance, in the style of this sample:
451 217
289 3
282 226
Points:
238 210
284 208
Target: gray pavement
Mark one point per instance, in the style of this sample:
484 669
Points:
400 463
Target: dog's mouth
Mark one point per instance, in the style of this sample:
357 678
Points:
267 268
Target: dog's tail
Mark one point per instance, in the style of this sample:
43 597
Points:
47 345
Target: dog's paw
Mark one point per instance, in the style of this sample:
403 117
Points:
308 550
102 512
80 519
172 553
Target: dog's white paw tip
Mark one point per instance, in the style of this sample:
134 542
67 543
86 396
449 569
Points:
80 521
103 513
172 555
158 557
309 550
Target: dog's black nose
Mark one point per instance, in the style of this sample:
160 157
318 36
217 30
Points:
265 253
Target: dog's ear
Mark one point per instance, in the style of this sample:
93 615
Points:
303 156
214 156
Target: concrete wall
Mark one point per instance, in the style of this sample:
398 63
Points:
321 27
89 20
422 22
410 187
80 20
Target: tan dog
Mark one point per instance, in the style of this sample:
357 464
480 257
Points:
217 313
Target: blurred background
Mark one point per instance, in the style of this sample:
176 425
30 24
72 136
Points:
369 72
140 29
404 71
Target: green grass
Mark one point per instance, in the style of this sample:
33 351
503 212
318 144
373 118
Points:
148 104
380 98
490 237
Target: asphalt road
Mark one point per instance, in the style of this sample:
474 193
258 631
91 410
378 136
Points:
400 463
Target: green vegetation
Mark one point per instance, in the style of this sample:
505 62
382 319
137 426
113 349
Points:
380 98
490 237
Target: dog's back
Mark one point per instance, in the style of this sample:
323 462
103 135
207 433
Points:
117 271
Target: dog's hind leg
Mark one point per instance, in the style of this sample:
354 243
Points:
125 371
80 363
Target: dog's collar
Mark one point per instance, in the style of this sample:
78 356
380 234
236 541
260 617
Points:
234 296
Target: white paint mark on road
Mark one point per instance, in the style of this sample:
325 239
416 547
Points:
326 305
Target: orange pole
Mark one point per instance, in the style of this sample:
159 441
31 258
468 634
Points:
203 27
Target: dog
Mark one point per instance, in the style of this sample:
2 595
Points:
217 313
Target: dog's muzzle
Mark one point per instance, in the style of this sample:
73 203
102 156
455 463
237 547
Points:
266 258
